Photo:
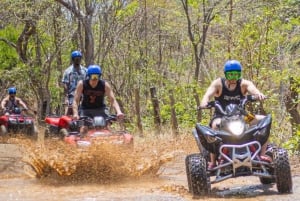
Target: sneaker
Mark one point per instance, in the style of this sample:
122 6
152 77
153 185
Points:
221 161
211 166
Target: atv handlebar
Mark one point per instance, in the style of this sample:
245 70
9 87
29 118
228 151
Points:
89 121
15 110
218 107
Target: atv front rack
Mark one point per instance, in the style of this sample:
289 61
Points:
242 160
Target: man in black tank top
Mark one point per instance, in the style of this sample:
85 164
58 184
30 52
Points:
230 89
93 91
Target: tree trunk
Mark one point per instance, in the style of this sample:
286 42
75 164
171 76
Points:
156 110
291 103
173 114
138 112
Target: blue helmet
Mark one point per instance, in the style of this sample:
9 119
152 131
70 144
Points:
94 69
232 65
76 54
12 90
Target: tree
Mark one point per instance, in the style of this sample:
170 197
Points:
84 19
197 32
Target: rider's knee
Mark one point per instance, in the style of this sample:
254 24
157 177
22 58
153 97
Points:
257 118
215 123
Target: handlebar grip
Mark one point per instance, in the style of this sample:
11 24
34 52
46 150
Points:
208 106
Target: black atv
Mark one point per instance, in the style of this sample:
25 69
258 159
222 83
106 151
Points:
237 146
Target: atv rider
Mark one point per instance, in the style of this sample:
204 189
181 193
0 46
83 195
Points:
231 89
93 91
11 103
71 76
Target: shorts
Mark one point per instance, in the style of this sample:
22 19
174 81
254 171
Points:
70 99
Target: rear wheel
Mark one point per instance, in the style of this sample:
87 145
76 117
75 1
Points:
32 131
47 132
3 130
264 180
198 180
269 152
282 171
63 133
188 173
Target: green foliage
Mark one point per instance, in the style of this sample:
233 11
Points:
8 56
193 3
142 44
130 9
293 143
185 106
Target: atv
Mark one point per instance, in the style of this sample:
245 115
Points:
16 122
59 126
237 145
99 131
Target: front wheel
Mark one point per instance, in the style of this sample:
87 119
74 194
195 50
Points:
3 130
282 171
198 180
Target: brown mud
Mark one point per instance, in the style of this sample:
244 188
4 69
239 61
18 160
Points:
153 170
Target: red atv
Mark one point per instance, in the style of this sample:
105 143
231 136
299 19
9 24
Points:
59 125
99 131
17 122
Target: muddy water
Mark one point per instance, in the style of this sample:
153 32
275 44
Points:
153 170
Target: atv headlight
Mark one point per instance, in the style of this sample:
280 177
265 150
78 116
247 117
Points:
236 127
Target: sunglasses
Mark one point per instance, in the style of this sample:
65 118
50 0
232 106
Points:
94 76
233 75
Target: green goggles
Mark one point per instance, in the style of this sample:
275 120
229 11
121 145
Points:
233 75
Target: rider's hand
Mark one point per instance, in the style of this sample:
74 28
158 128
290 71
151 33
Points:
260 96
202 105
120 116
75 116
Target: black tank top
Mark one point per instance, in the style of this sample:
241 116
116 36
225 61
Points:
12 104
227 97
93 98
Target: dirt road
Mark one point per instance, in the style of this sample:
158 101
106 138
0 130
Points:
154 170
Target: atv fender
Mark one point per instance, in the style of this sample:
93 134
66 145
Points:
265 123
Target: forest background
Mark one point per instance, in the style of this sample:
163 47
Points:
158 55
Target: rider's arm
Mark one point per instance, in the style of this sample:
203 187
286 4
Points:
77 95
211 91
109 93
65 89
65 82
3 103
24 106
251 89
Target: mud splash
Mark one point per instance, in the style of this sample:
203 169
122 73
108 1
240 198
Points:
153 170
102 163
